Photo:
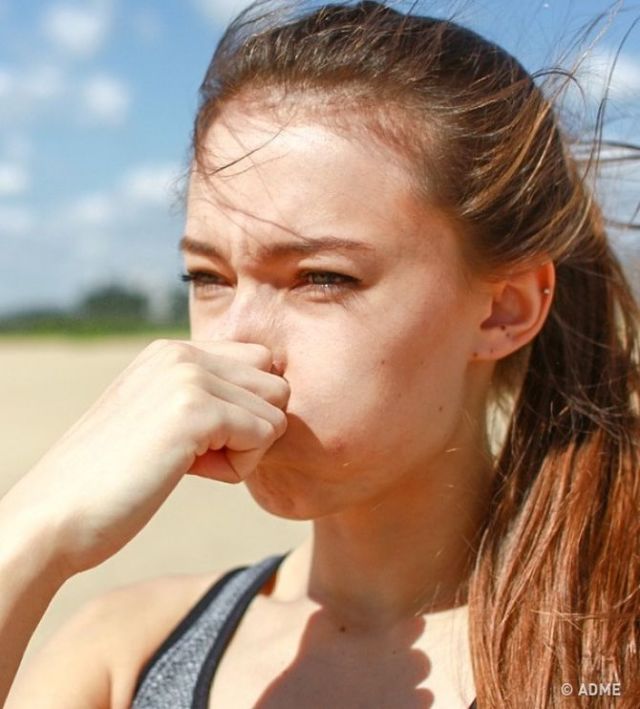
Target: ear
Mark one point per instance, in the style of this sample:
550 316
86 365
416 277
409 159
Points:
518 306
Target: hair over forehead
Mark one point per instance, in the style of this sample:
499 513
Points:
463 114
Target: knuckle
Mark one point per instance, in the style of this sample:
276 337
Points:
276 392
261 354
157 345
187 373
268 430
188 400
283 390
179 352
160 343
218 433
280 421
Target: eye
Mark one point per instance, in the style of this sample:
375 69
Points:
323 283
203 282
328 281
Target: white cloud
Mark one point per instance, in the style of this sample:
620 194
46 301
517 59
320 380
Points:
95 209
43 82
92 253
593 75
106 98
26 92
140 188
147 25
579 103
619 187
16 220
220 12
150 184
76 29
626 77
7 82
14 179
17 146
29 93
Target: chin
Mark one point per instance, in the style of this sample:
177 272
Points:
272 493
286 493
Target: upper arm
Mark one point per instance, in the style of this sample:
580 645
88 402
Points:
93 660
70 669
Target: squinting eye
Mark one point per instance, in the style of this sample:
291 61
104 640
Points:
328 280
324 283
202 280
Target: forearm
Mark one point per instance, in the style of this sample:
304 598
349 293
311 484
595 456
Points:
29 579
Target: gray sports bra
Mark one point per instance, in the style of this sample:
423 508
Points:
180 673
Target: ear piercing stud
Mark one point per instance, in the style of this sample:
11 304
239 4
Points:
546 291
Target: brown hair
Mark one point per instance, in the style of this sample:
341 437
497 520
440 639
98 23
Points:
554 596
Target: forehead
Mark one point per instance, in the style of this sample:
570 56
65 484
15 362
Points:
303 177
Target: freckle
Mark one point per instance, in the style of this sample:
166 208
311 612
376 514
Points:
440 408
490 350
503 327
475 354
342 629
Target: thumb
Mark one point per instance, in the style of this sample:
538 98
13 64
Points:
215 465
245 462
226 465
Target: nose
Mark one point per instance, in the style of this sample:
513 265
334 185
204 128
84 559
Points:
252 315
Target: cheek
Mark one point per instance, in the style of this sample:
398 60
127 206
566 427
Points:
354 400
333 387
397 389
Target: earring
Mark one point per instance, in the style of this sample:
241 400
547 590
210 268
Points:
546 291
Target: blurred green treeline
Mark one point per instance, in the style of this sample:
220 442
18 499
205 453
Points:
110 309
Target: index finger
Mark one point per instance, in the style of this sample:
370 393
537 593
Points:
251 353
199 351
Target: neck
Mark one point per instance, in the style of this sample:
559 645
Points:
404 554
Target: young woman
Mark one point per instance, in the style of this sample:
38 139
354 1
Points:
388 242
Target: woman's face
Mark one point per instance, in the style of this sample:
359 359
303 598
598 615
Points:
319 252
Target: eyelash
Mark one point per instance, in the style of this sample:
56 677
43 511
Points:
200 280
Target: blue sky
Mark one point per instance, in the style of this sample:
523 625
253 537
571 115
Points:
96 105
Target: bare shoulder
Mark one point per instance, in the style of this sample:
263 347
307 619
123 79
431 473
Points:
94 659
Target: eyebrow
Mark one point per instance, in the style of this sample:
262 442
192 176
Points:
282 249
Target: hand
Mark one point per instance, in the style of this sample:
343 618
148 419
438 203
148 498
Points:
205 408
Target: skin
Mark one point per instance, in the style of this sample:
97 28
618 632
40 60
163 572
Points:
357 401
385 448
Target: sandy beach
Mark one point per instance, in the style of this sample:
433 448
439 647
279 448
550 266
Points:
46 386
